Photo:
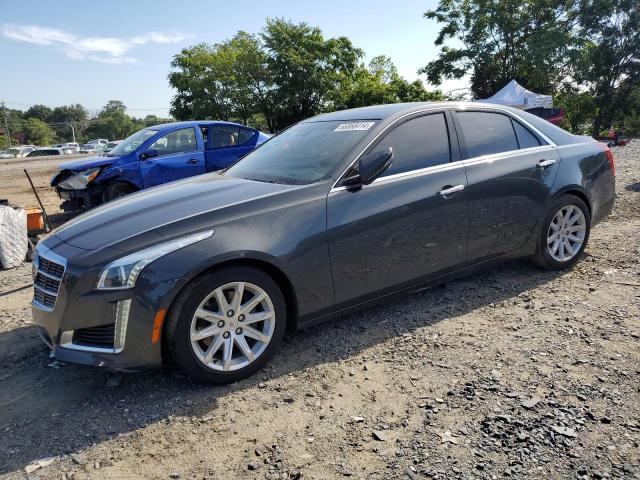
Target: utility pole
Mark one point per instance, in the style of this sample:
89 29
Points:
6 124
73 131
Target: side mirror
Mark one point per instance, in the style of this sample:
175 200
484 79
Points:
370 167
148 154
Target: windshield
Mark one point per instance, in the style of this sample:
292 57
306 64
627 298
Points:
304 153
13 151
129 144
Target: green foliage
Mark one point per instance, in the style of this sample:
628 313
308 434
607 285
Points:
380 83
550 46
609 64
41 112
37 132
113 107
4 142
287 73
500 40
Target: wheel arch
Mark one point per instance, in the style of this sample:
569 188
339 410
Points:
267 267
578 192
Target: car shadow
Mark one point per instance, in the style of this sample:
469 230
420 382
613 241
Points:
51 410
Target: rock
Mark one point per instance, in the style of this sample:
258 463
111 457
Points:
79 458
253 466
43 462
357 419
114 381
448 437
567 432
529 403
379 435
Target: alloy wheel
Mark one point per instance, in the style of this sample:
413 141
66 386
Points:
232 326
566 233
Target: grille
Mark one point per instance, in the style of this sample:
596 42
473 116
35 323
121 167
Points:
46 282
100 336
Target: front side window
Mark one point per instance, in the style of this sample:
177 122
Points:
302 154
131 143
486 133
418 143
182 140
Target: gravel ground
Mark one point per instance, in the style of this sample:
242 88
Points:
512 373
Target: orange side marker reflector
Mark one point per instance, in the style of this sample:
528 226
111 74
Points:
157 325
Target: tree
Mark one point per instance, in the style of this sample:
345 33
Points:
530 41
305 69
37 132
69 113
380 83
579 107
113 106
41 112
609 63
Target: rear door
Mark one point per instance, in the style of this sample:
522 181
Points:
227 143
510 170
410 224
180 155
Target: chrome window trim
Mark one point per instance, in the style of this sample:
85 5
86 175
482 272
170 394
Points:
469 161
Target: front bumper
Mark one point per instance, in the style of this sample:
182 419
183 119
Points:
107 329
79 200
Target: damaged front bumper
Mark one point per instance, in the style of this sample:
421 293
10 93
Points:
79 200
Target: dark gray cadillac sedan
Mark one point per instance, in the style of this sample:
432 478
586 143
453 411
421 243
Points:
333 214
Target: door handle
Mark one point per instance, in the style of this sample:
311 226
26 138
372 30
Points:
545 163
192 161
448 190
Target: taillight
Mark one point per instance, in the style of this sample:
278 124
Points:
607 152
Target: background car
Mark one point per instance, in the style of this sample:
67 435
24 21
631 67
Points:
18 152
151 157
334 214
69 147
49 152
91 148
111 145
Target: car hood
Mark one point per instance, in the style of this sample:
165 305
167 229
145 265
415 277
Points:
90 162
168 211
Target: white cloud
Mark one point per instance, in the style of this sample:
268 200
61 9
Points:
98 49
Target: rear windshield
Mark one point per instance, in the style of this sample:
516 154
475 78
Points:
305 153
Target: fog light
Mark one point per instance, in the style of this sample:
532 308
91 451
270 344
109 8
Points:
122 318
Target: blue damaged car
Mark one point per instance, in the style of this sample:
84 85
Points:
151 157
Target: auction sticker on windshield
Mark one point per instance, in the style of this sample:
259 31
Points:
349 127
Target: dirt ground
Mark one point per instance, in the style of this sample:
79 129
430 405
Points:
512 373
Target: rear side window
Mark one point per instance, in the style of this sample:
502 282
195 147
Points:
487 133
526 139
225 136
418 143
245 135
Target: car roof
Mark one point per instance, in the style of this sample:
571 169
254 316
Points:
393 110
192 123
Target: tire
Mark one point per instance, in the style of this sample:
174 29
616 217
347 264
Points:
194 356
547 256
117 190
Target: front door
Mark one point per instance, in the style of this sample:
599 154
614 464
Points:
408 225
510 171
180 154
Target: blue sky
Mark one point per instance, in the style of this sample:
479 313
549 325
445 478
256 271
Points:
63 52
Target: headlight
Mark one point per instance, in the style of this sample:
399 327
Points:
123 273
79 181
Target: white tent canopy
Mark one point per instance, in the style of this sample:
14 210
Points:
515 95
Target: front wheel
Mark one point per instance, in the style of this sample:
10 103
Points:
117 190
227 324
564 234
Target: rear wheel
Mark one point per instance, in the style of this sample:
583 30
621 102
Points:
227 324
117 190
564 234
